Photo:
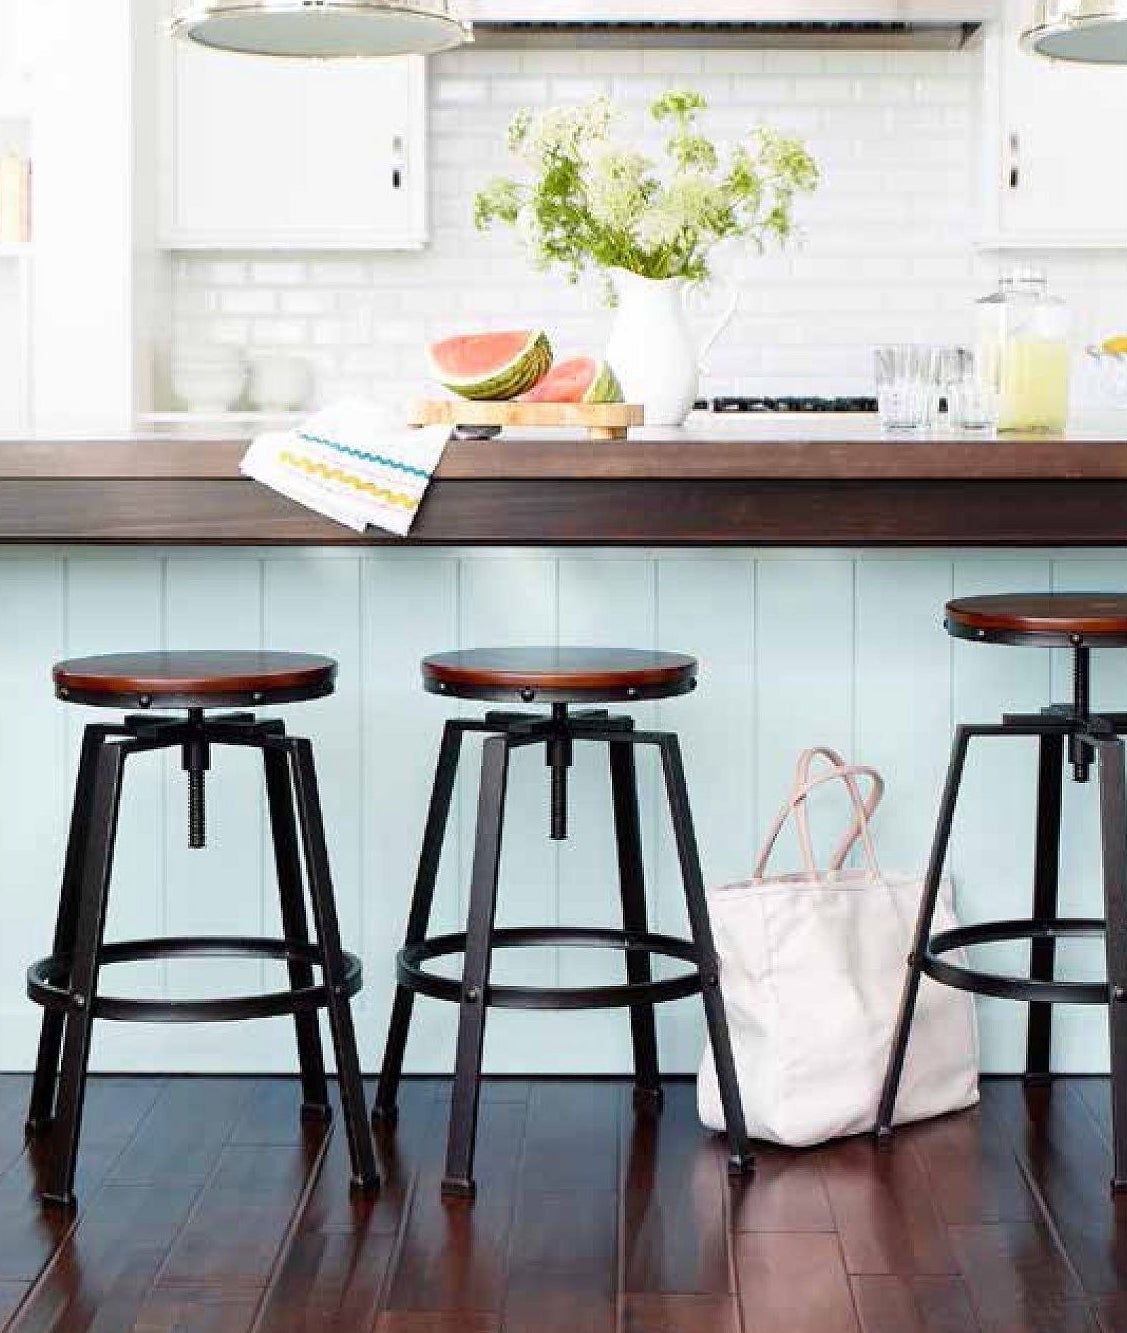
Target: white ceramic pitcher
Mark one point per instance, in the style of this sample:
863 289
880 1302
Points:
652 349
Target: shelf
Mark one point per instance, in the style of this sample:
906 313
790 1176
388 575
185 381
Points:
1061 241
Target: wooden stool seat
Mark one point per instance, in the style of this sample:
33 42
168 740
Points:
194 679
560 674
1050 619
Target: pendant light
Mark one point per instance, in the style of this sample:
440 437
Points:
1091 32
324 29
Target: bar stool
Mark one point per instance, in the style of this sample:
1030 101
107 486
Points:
561 678
66 984
1081 622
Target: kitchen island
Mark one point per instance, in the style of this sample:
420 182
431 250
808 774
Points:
720 482
806 562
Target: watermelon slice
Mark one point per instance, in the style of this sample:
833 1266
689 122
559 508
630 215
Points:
491 366
580 380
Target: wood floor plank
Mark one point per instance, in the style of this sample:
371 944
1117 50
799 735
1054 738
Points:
1069 1164
972 1169
454 1256
31 1234
180 1140
562 1272
400 1152
14 1092
793 1283
913 1305
106 1266
675 1214
437 1321
786 1193
244 1212
1018 1280
196 1310
670 1313
881 1201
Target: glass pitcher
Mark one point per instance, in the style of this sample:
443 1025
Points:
1023 353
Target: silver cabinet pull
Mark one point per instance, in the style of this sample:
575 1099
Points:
1015 161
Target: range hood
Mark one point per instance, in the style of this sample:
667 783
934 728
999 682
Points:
935 24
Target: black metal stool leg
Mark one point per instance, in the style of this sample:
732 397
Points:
422 900
740 1159
364 1173
1113 831
458 1181
41 1110
923 931
1046 874
631 877
295 928
97 867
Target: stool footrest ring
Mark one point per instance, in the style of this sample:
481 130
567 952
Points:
413 977
48 981
1007 987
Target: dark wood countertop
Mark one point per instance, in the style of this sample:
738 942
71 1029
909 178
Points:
758 481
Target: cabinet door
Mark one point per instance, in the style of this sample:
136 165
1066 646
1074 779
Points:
1061 165
268 154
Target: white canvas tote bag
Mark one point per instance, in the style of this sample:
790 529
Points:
811 967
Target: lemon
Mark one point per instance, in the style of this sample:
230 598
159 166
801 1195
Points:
1117 346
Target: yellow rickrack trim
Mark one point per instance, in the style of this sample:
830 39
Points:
323 470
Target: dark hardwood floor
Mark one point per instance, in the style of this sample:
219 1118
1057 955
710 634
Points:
209 1208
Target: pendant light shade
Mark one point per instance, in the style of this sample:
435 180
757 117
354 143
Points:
324 29
1091 32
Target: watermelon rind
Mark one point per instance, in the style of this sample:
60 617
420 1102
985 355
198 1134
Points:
510 380
605 387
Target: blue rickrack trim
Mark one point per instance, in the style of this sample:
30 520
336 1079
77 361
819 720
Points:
364 456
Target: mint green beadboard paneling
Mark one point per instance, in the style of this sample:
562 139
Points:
798 648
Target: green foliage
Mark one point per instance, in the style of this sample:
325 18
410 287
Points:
589 202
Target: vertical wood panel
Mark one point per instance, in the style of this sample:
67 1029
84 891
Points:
804 672
114 605
1080 1039
215 604
312 604
605 601
992 843
903 693
34 786
410 608
716 726
510 598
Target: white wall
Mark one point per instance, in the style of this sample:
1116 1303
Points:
835 647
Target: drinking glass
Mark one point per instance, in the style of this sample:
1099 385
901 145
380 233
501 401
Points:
907 376
971 402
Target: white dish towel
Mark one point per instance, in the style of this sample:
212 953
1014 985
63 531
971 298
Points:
352 463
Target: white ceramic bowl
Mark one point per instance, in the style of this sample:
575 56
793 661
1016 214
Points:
280 383
209 380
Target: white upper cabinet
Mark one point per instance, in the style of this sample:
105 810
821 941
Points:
1056 170
275 154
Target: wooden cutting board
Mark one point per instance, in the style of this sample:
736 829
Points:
601 421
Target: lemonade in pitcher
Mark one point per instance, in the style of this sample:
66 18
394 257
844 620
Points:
1024 353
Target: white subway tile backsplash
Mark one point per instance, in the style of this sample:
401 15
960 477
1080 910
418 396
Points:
885 251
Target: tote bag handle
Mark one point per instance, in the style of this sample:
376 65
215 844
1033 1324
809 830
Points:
863 811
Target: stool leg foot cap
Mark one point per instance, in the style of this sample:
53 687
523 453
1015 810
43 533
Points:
1118 1186
385 1117
1037 1080
38 1129
741 1164
883 1136
453 1188
66 1201
364 1185
316 1112
649 1100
